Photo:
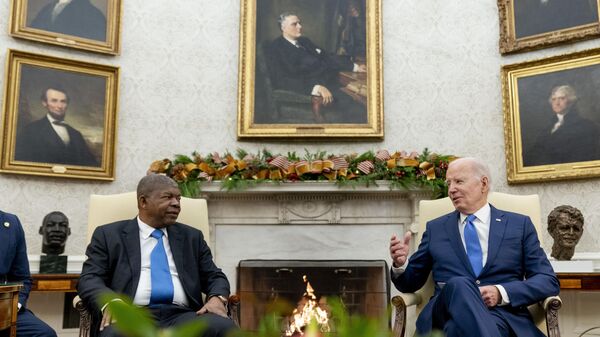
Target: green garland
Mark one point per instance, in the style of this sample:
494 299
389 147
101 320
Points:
244 170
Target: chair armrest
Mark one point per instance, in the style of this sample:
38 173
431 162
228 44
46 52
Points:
85 317
551 303
233 309
411 299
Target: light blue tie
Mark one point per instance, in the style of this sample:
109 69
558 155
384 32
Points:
160 276
473 246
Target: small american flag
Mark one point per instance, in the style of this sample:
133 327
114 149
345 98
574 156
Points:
365 167
383 155
280 162
339 163
205 176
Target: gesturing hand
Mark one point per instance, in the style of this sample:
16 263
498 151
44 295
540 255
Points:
399 249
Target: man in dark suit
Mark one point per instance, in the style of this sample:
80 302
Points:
565 137
14 267
72 17
487 264
160 263
297 64
534 17
50 139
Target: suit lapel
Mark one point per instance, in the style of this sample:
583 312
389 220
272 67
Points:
131 239
177 246
451 227
498 224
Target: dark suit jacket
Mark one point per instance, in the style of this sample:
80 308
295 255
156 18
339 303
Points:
578 139
38 142
79 18
532 17
113 263
515 260
300 69
14 265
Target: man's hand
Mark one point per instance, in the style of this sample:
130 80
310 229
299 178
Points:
490 295
362 68
325 94
106 319
399 249
215 306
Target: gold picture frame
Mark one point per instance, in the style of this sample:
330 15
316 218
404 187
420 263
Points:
92 25
551 120
535 24
274 104
59 117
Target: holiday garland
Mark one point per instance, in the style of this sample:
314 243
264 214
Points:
242 170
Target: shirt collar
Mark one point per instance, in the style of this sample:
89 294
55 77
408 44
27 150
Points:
146 230
483 214
294 42
52 119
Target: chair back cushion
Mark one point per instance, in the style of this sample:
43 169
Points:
524 204
114 207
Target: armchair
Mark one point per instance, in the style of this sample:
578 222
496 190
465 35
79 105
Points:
105 209
545 314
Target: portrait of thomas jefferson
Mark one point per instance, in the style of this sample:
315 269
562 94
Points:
80 18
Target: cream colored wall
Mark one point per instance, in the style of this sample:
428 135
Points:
178 94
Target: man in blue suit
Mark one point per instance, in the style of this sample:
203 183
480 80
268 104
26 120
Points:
487 264
14 267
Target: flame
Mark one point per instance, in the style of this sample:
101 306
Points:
310 311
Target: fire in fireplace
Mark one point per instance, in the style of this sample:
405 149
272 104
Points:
362 285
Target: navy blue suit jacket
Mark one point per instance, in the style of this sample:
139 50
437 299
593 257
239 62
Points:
515 260
14 265
113 263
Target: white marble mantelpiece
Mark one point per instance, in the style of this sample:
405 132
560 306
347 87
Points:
307 220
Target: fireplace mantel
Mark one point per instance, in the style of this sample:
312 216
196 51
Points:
307 220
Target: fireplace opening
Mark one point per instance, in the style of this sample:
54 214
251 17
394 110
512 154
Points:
362 285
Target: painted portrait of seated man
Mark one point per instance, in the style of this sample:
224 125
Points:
80 18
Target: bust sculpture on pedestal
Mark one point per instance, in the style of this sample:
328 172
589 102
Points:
565 225
54 230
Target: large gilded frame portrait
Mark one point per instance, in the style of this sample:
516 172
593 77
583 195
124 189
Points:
59 117
281 80
551 118
534 24
92 25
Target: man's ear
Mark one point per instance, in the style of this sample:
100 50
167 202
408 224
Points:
142 201
41 231
485 184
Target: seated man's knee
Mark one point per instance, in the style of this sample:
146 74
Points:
459 283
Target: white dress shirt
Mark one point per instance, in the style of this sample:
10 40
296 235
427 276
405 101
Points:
61 130
482 226
147 244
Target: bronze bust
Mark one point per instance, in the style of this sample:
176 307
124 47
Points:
565 225
54 230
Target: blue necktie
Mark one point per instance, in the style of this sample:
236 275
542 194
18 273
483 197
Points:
473 247
160 276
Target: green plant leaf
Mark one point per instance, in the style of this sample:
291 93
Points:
131 321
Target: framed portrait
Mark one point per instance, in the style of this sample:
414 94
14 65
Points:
310 69
92 25
59 117
552 118
534 24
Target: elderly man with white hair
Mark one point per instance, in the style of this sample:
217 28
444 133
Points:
487 264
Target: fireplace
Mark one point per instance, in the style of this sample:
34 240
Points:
362 285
